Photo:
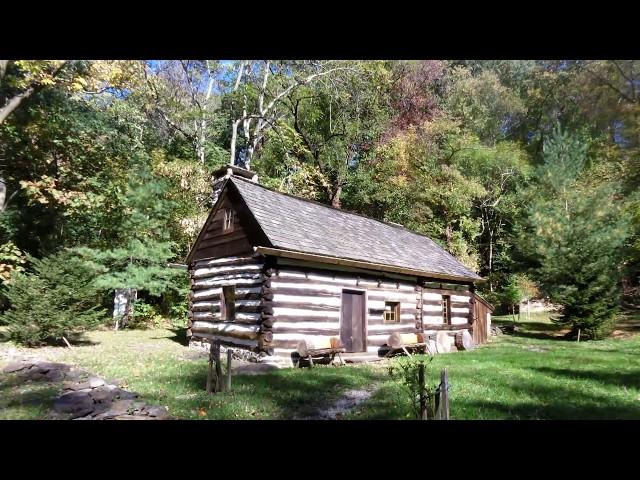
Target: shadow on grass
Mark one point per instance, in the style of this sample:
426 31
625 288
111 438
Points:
283 394
613 378
39 396
537 330
179 336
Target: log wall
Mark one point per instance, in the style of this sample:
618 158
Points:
278 305
307 300
251 327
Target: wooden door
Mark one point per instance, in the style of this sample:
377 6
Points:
479 322
352 322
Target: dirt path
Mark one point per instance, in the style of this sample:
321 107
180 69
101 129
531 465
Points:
349 400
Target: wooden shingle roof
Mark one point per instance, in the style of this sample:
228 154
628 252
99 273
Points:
300 225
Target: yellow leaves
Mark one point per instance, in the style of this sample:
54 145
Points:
45 191
202 412
12 260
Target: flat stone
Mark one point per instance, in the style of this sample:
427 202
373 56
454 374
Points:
92 382
81 413
119 407
159 413
124 395
54 375
47 366
103 394
16 366
34 375
74 402
133 417
75 374
95 382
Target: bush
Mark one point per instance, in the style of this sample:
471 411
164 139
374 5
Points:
57 299
406 371
145 316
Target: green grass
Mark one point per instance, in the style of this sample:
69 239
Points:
156 365
529 375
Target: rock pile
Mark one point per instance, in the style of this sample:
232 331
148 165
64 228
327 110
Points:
86 397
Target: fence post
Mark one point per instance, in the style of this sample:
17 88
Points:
444 395
216 353
423 400
229 351
210 369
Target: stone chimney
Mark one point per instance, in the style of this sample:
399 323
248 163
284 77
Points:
220 175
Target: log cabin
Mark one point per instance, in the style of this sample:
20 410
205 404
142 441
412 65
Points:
270 269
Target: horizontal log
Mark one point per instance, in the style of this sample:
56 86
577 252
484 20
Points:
233 330
279 286
434 291
310 299
227 261
222 278
295 326
461 298
242 306
230 341
226 270
392 297
391 327
349 281
445 327
245 282
459 320
215 317
460 304
431 297
294 307
298 318
214 293
460 311
403 311
404 317
432 308
303 313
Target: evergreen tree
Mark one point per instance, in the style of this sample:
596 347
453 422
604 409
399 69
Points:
57 300
575 236
143 246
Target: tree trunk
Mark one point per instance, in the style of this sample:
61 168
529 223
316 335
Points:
335 199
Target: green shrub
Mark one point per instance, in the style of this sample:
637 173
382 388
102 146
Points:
178 315
57 299
406 371
145 316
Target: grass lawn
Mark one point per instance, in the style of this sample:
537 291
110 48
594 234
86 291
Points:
530 375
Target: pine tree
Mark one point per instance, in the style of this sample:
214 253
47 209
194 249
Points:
56 301
575 237
143 247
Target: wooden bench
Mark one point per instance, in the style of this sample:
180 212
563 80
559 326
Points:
323 347
408 343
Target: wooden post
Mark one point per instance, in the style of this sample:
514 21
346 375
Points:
210 370
216 354
578 335
229 351
423 400
444 395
